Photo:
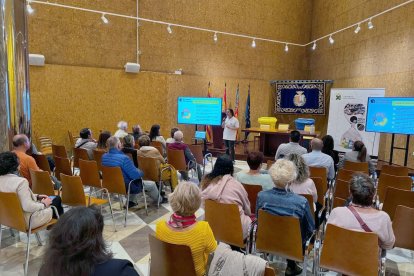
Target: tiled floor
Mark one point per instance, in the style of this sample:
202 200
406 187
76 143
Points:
131 242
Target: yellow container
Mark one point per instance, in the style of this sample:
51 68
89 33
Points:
267 123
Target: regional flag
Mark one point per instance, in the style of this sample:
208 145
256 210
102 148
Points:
225 98
209 131
247 113
236 108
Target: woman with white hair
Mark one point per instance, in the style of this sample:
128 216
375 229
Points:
279 201
183 227
122 129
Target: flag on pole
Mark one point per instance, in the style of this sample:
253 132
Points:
247 113
209 131
236 107
225 98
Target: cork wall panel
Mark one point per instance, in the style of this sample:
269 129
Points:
381 57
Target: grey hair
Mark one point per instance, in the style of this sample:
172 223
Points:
122 125
178 135
113 142
302 169
362 189
129 140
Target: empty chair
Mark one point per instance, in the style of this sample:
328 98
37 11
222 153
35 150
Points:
350 252
11 215
72 138
79 153
158 146
344 174
59 151
42 183
45 145
252 191
170 259
395 197
341 189
394 170
197 151
97 156
42 163
356 166
62 165
403 226
385 181
89 173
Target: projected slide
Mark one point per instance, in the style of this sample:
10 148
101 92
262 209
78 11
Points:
199 111
391 115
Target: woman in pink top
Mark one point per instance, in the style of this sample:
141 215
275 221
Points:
362 191
302 184
220 186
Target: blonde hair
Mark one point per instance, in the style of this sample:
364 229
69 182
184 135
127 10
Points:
302 169
283 172
186 199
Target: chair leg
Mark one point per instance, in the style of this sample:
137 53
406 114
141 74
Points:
126 209
159 193
1 230
112 212
145 201
39 241
26 266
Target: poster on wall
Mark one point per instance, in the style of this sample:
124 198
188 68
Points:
347 118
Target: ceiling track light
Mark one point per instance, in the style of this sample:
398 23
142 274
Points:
104 19
314 46
29 8
286 48
370 25
254 43
215 37
331 40
169 30
358 28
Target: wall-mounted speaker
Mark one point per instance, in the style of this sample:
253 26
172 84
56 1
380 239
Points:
36 60
131 67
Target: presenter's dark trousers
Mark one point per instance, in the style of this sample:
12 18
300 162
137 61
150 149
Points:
229 148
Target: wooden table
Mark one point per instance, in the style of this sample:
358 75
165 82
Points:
271 139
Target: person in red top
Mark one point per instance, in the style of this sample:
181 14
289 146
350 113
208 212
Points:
21 144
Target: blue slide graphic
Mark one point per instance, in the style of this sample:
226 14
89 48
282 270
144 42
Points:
199 111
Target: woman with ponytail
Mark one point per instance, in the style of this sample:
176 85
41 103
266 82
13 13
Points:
359 154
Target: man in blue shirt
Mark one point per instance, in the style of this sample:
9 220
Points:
116 158
317 158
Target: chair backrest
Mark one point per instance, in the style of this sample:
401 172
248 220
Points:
321 188
252 191
45 145
341 188
169 259
395 197
271 226
356 166
320 172
394 170
385 181
403 226
59 151
158 146
269 271
197 151
344 174
338 202
309 198
79 153
72 190
72 139
97 156
113 180
177 159
62 165
150 168
224 220
41 183
345 251
269 163
11 212
89 173
42 163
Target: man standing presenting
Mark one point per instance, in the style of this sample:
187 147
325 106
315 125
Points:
230 125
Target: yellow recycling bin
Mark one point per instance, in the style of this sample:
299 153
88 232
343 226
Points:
267 123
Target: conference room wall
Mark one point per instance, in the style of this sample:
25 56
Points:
380 57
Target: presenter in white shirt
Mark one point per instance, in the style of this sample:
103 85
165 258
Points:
230 125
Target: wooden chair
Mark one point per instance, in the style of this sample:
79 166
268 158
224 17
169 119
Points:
12 216
176 159
169 259
345 251
341 189
158 146
62 165
403 226
395 197
321 189
79 153
74 195
72 138
269 271
338 202
269 163
224 220
89 173
356 166
290 247
97 156
385 181
252 191
42 163
113 181
320 172
197 151
309 198
42 183
45 145
394 170
344 174
59 151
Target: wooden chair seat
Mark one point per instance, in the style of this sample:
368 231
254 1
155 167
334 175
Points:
96 201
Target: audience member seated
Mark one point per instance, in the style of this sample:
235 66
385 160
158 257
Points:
156 136
360 212
183 228
128 147
358 154
328 148
77 247
146 150
180 145
86 142
219 185
303 184
317 158
34 206
122 130
253 176
137 132
116 158
103 137
291 147
171 139
21 144
279 201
